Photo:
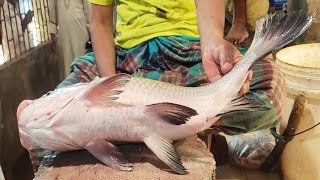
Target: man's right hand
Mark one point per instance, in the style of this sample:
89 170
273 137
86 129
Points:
53 43
219 58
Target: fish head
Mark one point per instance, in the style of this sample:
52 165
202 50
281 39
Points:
29 114
34 115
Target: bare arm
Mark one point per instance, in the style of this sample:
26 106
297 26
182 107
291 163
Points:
210 16
216 52
218 55
102 39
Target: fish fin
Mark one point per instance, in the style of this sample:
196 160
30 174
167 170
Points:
106 91
172 113
242 103
109 155
275 31
165 151
137 73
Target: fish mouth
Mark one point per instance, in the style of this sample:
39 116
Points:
22 106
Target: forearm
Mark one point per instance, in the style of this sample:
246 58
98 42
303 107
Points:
103 40
210 17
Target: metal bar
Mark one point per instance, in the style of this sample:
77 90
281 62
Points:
46 10
2 38
17 27
22 35
42 20
26 39
28 30
15 50
38 19
5 26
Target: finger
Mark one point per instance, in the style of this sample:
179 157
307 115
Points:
211 68
235 41
249 76
213 78
245 88
225 57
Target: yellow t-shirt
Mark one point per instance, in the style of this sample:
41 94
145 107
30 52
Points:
141 20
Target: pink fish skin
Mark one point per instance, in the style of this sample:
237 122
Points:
88 116
122 108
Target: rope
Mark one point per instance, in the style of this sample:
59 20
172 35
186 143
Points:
278 136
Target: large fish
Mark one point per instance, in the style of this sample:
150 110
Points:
123 108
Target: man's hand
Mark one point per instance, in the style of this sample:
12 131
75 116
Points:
53 43
219 58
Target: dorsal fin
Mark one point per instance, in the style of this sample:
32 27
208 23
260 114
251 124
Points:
106 91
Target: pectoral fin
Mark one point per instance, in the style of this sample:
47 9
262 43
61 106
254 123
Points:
242 103
164 150
109 155
172 113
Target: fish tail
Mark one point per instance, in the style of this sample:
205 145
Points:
275 31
